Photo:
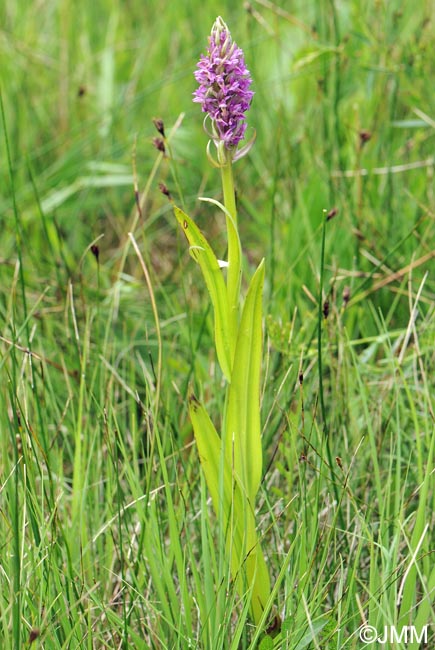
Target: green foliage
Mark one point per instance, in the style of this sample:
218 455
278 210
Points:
232 463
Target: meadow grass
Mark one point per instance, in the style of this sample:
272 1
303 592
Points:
107 535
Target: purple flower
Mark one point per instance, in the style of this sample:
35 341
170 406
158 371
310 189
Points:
224 82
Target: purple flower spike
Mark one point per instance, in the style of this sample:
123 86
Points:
224 82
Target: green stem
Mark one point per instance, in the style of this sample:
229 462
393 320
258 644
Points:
325 423
319 336
234 251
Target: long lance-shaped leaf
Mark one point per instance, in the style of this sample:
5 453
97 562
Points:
257 573
242 423
234 269
208 443
202 253
226 497
248 566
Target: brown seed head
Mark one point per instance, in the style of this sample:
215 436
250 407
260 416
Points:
364 136
158 123
159 144
331 214
34 634
164 190
346 295
95 250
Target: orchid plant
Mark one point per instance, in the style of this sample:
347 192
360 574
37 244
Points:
232 461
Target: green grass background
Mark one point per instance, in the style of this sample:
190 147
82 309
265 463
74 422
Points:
107 537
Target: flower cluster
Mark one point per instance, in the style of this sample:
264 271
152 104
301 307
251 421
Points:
224 82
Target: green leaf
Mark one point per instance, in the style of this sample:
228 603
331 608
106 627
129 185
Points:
209 448
248 566
266 643
315 628
234 276
202 253
225 493
242 423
